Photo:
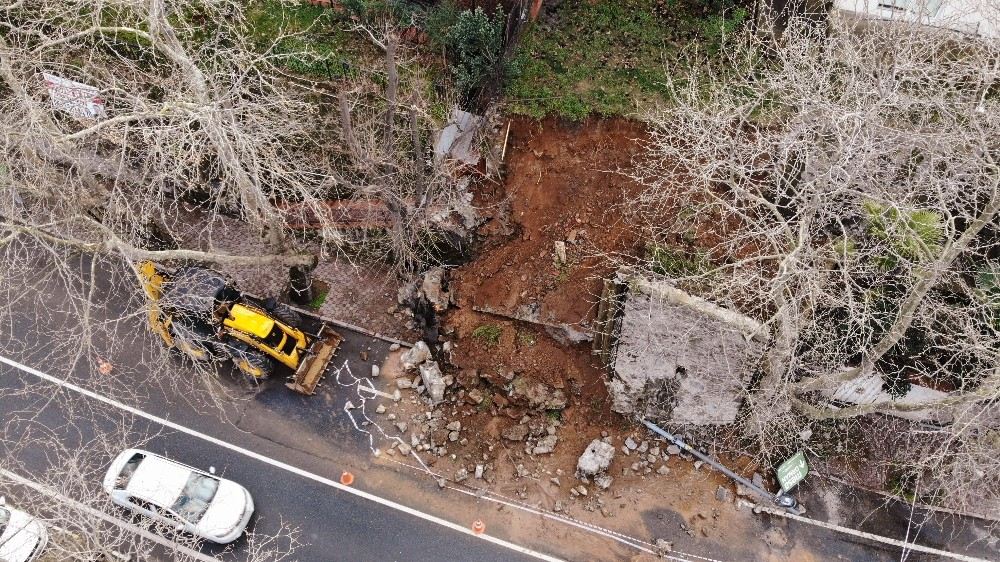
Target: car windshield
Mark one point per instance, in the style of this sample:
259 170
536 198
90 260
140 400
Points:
128 470
195 497
4 518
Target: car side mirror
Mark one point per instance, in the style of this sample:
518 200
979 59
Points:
211 470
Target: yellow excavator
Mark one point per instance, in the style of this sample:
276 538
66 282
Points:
201 313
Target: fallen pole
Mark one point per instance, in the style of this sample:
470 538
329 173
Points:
780 499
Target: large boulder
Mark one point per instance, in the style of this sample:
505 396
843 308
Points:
434 381
595 459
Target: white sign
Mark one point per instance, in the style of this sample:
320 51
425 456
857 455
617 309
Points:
79 100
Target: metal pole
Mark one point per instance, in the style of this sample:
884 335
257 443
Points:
780 499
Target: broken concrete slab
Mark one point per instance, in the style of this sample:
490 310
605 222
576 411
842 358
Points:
432 288
433 380
416 355
455 140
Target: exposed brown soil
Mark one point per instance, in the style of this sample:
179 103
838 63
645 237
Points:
562 185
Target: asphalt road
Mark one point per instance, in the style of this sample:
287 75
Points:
335 525
309 433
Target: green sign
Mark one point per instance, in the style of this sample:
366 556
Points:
792 471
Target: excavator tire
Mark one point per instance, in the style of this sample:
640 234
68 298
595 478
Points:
193 342
285 313
252 363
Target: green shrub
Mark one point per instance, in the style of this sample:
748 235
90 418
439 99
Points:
475 43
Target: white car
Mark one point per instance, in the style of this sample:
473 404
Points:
22 537
186 498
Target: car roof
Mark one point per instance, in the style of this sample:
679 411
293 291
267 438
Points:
158 480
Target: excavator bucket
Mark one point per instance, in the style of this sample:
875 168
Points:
316 359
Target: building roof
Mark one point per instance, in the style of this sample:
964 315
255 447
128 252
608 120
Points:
970 17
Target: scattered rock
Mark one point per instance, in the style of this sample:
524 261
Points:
698 464
349 405
673 450
433 380
560 250
391 417
603 481
380 409
404 449
453 436
415 356
651 458
664 547
555 480
538 395
655 451
596 458
479 471
454 426
723 494
581 489
475 396
631 444
403 383
644 446
545 445
558 506
515 432
805 434
663 470
401 426
394 347
461 474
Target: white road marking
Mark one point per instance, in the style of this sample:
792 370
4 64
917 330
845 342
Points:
20 480
276 463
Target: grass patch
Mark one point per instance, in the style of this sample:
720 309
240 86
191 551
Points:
489 334
609 58
526 339
665 260
307 40
318 300
554 415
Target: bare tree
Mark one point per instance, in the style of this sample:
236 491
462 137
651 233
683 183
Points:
198 135
843 189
